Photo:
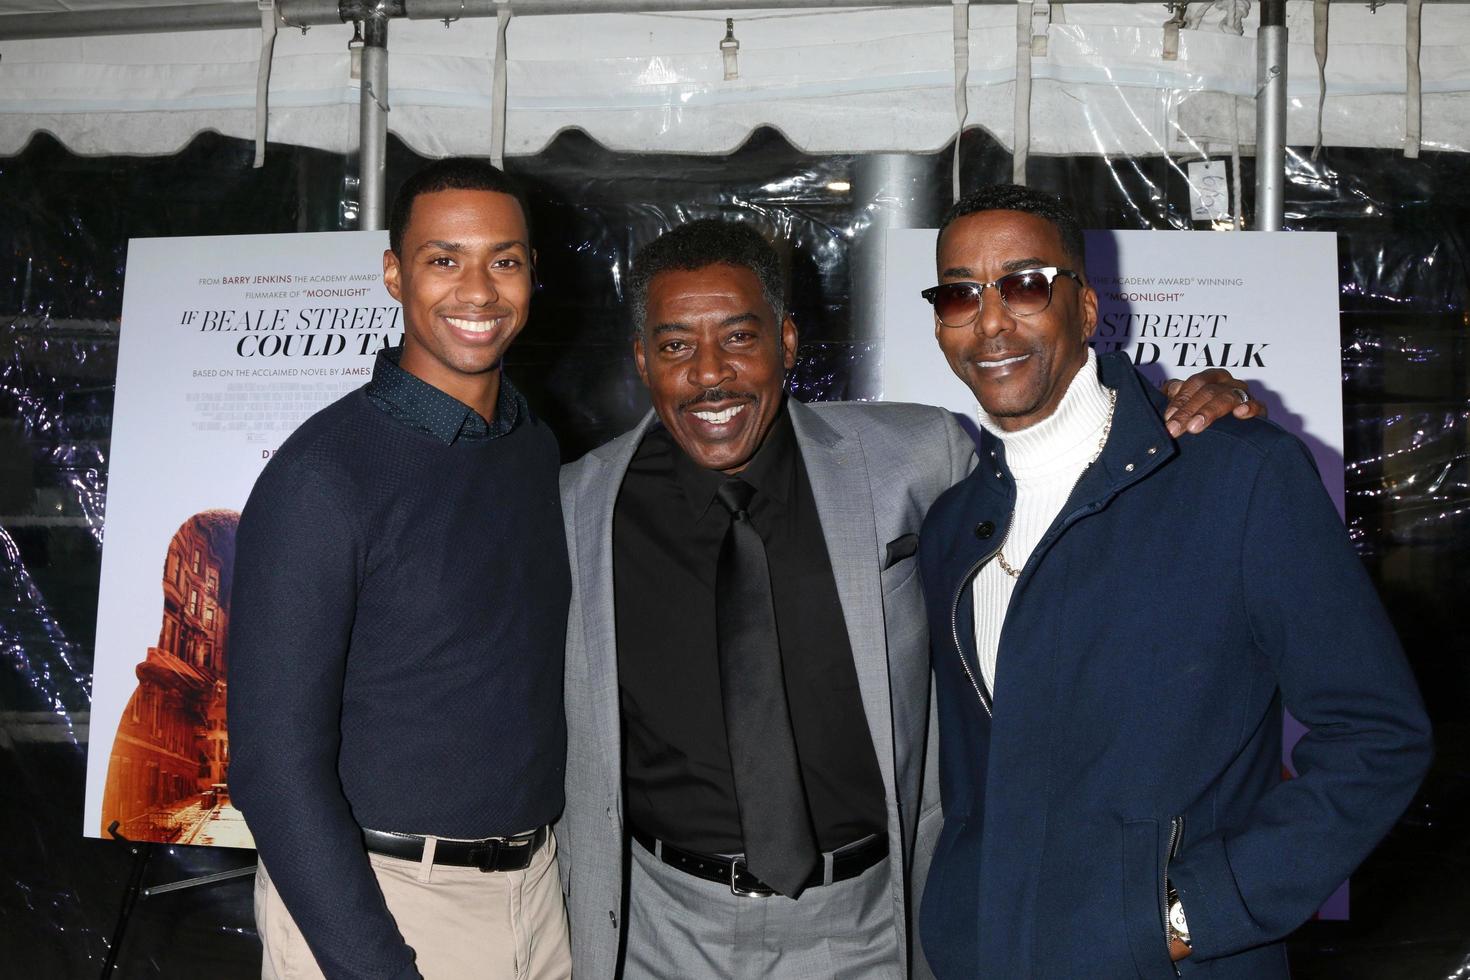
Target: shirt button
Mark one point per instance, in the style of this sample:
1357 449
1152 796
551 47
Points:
984 530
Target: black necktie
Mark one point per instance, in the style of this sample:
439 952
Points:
780 845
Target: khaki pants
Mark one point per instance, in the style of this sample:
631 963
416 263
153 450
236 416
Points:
463 923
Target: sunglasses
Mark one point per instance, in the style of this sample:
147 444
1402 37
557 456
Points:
1023 293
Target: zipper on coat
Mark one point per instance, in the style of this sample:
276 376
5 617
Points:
954 611
1041 546
1176 836
954 623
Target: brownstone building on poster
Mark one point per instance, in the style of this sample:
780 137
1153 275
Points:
170 757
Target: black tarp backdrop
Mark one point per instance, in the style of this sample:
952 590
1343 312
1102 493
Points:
64 225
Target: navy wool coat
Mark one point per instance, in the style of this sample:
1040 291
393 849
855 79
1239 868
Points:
1183 595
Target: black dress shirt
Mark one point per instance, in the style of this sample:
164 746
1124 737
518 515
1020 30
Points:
414 402
667 532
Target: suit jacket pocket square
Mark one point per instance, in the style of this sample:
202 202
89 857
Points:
900 548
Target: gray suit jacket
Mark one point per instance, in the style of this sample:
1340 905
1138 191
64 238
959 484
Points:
874 470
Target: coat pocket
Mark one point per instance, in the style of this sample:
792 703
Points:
949 912
1143 899
897 575
901 547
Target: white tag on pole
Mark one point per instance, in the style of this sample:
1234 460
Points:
730 49
354 52
1040 26
1209 191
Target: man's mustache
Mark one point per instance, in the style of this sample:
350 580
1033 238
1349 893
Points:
716 395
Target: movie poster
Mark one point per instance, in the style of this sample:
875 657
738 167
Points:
227 344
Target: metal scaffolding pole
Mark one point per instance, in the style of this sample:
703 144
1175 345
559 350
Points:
311 13
372 149
136 20
1271 117
889 190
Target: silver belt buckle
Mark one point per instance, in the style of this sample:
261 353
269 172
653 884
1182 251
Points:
737 865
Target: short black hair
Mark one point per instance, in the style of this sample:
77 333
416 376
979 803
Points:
450 174
1014 197
703 243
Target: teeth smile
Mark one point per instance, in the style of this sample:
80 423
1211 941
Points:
1009 360
473 326
720 417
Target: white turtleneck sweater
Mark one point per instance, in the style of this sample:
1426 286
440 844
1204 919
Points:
1047 460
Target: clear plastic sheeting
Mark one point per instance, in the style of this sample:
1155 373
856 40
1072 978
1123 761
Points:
656 82
1405 278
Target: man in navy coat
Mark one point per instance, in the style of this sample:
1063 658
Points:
1111 772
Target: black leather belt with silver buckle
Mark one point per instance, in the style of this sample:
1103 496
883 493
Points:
490 854
847 862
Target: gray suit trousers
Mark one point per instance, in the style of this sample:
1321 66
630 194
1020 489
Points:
682 927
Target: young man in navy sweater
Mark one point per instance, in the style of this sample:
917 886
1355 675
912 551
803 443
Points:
1111 772
400 598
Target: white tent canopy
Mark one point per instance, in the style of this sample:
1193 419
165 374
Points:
850 80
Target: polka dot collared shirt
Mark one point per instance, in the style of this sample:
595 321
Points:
418 404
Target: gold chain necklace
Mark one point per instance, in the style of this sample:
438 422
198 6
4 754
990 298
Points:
1000 555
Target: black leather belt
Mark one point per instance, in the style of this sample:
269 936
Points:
490 854
847 862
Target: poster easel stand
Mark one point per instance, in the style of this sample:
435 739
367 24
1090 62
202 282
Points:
142 851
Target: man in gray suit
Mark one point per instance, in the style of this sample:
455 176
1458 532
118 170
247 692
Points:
747 676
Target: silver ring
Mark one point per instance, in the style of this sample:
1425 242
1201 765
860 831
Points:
1242 394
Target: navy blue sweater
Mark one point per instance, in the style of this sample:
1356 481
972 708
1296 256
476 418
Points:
395 662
